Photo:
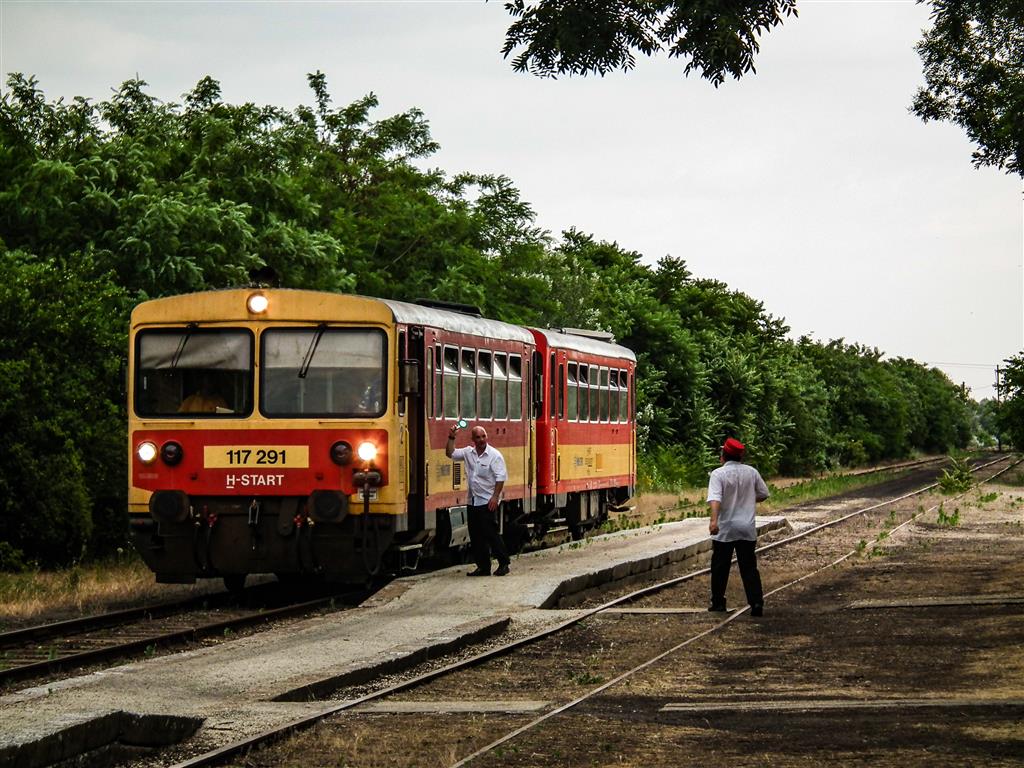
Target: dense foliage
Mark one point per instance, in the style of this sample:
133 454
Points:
1010 412
103 205
974 71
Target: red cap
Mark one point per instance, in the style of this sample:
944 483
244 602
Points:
733 448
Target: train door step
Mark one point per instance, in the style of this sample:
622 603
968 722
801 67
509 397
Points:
409 555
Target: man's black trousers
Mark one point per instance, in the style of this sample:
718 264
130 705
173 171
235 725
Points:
484 537
721 559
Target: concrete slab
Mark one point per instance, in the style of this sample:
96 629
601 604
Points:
945 601
823 705
452 707
233 686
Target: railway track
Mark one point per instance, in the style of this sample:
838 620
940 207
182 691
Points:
38 651
224 754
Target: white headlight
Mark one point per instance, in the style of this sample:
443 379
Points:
367 451
146 452
258 303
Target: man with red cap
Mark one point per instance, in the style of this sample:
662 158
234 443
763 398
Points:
733 492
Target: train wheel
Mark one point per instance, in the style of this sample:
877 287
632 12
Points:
235 583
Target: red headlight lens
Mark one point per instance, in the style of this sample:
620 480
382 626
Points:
341 453
172 453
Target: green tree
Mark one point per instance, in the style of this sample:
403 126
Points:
105 204
1010 415
580 37
973 60
63 478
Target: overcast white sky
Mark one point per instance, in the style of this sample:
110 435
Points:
809 185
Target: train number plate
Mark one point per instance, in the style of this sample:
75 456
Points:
277 456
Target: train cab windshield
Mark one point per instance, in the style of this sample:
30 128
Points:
322 371
196 371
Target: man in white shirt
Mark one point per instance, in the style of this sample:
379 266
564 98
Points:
485 467
733 492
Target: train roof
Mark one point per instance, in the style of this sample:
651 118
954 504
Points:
296 305
586 344
417 314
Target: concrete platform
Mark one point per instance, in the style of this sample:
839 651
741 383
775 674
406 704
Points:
245 686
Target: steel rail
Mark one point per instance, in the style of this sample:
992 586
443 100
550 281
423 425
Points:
113 618
120 650
720 625
217 756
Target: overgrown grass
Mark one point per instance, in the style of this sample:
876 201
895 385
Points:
35 595
823 487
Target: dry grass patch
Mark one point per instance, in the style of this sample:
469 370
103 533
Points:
42 596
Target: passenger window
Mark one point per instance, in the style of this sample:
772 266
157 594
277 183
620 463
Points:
604 395
573 392
552 385
624 395
438 397
483 385
613 401
515 387
500 375
584 392
451 382
467 385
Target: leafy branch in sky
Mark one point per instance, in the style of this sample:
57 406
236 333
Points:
580 37
974 71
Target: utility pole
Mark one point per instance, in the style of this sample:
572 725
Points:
999 436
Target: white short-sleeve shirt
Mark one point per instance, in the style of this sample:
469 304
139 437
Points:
485 470
736 486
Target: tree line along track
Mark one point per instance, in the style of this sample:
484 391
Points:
39 651
442 678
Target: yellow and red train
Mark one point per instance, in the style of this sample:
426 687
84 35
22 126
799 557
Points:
302 432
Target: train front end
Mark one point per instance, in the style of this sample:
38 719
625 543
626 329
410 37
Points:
262 435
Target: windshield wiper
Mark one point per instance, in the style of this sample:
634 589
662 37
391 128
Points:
181 344
308 359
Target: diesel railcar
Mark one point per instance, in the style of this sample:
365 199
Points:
301 432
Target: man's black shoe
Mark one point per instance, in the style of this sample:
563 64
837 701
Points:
502 570
478 572
716 608
757 610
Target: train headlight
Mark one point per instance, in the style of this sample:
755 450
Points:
367 451
257 303
341 453
172 453
146 452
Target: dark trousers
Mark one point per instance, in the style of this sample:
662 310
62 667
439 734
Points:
721 560
484 537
